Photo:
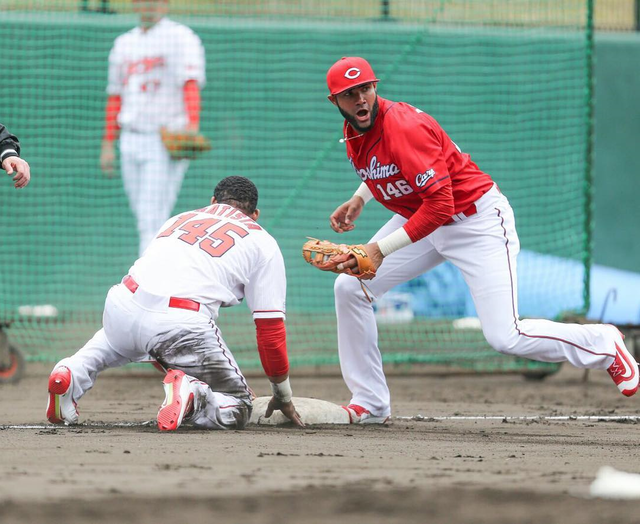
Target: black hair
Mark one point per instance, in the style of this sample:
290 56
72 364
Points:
239 192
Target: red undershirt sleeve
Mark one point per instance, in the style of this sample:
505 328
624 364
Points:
436 209
114 103
272 346
192 103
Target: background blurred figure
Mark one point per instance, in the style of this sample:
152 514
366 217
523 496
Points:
156 71
10 159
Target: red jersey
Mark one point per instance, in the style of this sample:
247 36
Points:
407 156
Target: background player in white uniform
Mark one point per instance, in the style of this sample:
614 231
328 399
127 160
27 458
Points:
156 71
446 209
166 308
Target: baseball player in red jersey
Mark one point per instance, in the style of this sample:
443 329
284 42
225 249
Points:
166 308
156 72
446 208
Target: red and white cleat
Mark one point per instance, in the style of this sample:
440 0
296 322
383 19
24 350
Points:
179 400
360 415
624 370
61 408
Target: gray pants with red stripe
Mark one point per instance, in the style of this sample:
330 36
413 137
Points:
483 247
140 326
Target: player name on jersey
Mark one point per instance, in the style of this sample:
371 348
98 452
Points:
223 210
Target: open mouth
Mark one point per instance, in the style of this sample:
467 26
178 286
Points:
362 114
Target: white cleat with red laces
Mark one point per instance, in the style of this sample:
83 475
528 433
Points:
360 415
179 400
61 408
624 370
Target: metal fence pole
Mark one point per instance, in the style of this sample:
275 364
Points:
103 8
385 11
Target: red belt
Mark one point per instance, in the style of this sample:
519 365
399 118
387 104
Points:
470 211
180 303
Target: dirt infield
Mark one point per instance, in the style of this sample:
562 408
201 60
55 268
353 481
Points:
449 471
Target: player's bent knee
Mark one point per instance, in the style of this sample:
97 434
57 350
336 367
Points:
503 342
347 288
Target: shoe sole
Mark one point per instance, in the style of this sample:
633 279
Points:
375 420
369 420
633 365
58 386
172 411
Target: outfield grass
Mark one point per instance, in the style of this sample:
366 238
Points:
609 14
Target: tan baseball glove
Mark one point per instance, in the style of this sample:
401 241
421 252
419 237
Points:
328 256
184 144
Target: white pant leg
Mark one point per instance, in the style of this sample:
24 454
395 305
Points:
130 168
85 365
484 247
161 179
219 411
152 181
112 346
360 359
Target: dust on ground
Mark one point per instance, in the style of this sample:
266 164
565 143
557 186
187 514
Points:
454 471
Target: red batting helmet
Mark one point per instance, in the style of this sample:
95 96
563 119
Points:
349 72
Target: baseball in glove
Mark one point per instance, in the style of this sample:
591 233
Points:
328 256
184 144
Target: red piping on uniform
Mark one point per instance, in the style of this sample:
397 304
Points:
222 347
513 304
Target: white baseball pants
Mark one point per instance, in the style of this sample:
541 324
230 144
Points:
151 180
140 325
484 248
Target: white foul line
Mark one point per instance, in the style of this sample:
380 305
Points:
594 418
415 418
83 426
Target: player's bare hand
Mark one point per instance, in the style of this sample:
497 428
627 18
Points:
374 253
287 408
108 158
343 218
20 170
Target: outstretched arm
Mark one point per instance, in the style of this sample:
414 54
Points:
272 346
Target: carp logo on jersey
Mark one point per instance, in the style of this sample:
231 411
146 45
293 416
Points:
139 67
423 178
376 170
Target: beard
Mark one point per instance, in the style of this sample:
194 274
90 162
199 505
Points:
354 123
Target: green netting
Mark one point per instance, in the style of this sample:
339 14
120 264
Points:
509 81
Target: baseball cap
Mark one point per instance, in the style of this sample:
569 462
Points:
348 72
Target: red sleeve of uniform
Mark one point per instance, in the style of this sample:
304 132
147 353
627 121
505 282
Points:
435 210
192 103
416 144
114 103
272 346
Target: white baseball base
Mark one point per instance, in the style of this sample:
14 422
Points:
613 484
311 410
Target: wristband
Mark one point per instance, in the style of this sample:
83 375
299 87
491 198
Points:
7 153
364 193
282 391
396 240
